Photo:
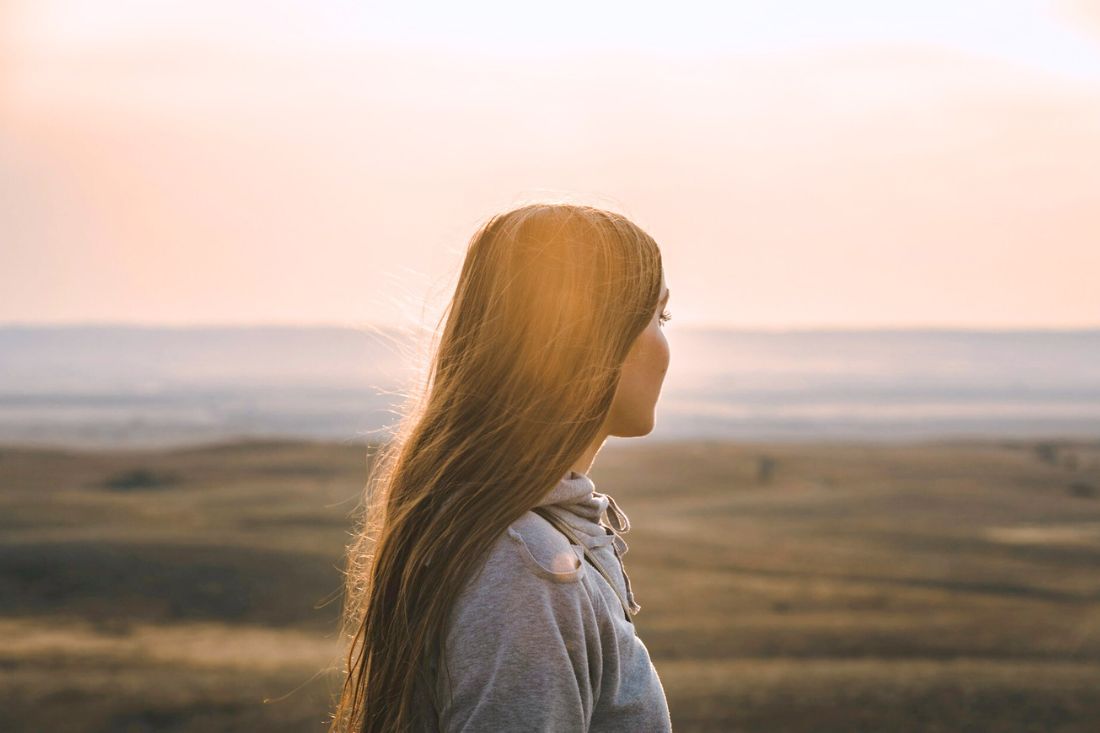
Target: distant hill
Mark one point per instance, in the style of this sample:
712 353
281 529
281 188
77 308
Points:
126 385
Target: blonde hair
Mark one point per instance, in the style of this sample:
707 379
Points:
549 300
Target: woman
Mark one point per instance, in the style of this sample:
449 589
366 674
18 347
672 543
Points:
485 588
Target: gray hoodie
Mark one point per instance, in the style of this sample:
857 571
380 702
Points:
539 640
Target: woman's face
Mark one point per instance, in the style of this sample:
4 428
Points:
632 411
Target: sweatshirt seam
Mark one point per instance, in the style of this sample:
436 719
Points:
541 571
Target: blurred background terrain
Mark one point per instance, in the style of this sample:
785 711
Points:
784 586
884 562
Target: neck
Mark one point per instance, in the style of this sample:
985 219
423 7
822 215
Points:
584 463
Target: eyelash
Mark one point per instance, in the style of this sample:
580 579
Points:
665 317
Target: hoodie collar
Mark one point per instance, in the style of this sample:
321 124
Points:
576 500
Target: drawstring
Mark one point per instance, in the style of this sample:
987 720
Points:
621 522
617 522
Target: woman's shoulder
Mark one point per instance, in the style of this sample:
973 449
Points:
523 648
531 574
530 556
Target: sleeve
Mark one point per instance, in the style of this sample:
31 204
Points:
522 650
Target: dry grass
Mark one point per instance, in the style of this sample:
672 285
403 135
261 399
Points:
824 587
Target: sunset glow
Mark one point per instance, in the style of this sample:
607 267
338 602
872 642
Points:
187 163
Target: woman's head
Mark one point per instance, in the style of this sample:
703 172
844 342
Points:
555 305
551 341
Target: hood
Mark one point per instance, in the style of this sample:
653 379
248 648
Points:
595 517
594 513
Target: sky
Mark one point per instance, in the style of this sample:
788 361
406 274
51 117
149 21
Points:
801 164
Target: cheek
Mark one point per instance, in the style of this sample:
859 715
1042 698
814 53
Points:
662 353
648 360
655 352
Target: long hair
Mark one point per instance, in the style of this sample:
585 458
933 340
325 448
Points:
548 303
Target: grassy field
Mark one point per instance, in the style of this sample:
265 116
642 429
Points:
818 587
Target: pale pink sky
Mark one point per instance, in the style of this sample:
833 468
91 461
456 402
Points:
199 163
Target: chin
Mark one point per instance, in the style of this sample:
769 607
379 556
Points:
636 430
